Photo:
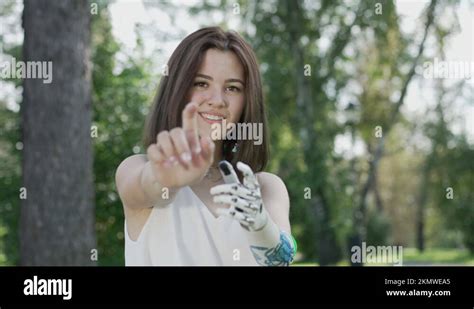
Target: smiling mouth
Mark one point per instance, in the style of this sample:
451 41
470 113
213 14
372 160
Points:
211 118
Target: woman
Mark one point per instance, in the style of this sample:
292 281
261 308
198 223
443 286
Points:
178 211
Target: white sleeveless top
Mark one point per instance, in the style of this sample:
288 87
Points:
186 233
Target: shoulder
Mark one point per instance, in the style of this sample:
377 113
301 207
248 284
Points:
272 187
128 165
275 198
271 181
138 158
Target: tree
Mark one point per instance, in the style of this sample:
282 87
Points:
57 211
449 168
394 114
308 102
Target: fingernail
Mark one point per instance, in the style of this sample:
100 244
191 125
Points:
197 150
172 159
186 156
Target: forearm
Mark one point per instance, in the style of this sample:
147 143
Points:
271 246
155 193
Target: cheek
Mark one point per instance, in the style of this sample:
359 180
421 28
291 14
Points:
236 108
196 97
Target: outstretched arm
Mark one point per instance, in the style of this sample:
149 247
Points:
177 158
262 210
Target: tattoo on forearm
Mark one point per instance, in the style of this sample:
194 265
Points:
280 255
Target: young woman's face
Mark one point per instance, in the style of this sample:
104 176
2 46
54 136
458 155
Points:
219 87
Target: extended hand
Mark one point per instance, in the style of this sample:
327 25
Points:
179 157
245 200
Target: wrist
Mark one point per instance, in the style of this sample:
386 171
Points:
268 235
147 177
261 221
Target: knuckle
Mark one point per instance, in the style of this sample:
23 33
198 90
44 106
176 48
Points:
150 149
163 134
175 131
178 144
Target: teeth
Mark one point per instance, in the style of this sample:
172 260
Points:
211 117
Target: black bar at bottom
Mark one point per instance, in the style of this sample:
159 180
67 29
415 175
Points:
239 285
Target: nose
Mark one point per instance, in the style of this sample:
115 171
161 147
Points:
217 99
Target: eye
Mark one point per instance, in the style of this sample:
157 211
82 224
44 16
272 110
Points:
233 89
200 84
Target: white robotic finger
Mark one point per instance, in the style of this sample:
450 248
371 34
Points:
250 180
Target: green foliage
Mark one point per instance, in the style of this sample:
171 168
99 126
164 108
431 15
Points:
328 215
121 94
455 170
10 183
378 229
10 172
379 52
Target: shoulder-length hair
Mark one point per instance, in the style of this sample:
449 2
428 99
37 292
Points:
182 68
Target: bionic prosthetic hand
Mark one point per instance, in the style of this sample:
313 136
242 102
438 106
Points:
269 245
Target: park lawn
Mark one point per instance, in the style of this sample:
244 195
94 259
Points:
3 257
412 257
437 256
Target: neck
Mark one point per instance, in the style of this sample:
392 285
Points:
213 174
217 154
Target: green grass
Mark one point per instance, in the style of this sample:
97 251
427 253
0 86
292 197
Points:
412 257
303 264
3 257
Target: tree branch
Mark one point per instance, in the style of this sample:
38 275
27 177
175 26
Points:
373 164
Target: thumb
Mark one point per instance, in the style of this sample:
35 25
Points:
222 212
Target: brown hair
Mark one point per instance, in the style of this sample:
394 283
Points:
182 68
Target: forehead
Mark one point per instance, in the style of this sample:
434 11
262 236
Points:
221 64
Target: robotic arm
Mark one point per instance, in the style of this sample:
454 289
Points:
269 245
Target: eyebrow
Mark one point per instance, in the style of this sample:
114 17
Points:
227 80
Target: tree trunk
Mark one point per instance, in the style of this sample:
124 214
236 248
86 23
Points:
420 211
57 216
378 197
428 166
328 251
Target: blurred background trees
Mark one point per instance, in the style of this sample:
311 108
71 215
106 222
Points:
333 71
